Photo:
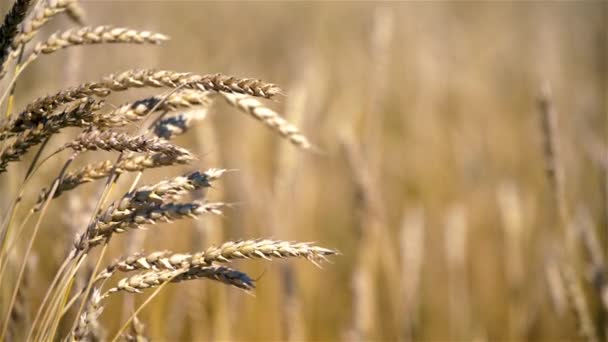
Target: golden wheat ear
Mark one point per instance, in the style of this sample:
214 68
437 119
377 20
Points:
29 27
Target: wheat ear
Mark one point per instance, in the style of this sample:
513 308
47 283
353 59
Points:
76 13
104 169
132 112
120 217
30 27
24 141
93 35
139 282
36 110
89 327
228 251
137 333
115 141
268 117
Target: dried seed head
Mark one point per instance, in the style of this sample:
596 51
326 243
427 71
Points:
30 27
43 130
265 249
175 125
222 274
132 112
151 279
115 141
175 187
76 13
121 216
270 118
137 333
169 261
88 327
146 78
94 35
104 169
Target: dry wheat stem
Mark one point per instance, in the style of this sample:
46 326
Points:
30 245
268 117
578 302
552 153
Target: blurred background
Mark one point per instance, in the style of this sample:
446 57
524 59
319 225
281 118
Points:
429 173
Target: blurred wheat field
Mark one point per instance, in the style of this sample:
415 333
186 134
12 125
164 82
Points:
428 174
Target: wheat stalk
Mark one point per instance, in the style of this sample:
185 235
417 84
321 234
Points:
144 205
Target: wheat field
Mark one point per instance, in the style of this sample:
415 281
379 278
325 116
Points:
303 171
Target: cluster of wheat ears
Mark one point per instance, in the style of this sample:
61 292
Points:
110 128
